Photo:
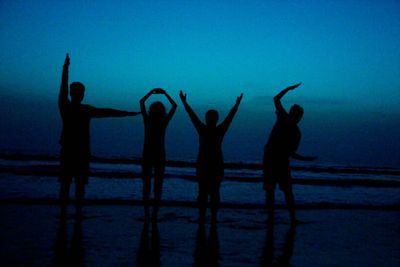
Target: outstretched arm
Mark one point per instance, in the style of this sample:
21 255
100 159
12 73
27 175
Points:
277 98
63 94
173 104
110 112
303 158
193 117
228 120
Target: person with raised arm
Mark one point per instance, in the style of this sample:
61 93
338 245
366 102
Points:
75 137
282 145
155 124
210 163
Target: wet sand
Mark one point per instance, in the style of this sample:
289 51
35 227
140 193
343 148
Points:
114 235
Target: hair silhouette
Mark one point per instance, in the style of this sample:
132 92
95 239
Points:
282 144
155 125
210 164
75 136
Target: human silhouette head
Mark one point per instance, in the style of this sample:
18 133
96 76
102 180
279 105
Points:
296 113
77 92
157 110
212 117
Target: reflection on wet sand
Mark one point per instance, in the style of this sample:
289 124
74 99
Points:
206 250
148 253
73 255
269 256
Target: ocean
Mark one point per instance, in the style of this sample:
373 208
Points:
33 178
349 217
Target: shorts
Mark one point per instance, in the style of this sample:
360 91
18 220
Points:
76 166
276 170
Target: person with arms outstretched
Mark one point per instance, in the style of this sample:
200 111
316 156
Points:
75 137
210 163
282 145
155 124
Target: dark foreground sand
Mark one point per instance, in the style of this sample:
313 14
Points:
33 235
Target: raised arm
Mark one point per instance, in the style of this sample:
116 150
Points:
193 117
173 104
228 120
277 98
63 94
143 100
110 112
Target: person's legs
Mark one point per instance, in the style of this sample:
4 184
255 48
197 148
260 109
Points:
287 189
202 200
270 170
215 200
65 184
65 179
79 195
158 183
146 176
270 199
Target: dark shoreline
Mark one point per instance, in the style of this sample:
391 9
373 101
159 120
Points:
52 171
228 165
194 204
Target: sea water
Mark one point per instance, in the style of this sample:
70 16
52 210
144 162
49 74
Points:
241 186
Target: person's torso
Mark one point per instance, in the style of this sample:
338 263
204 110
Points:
284 137
154 136
210 145
76 127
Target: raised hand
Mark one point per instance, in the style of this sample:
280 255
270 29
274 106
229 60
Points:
161 91
182 96
292 87
158 91
239 99
66 61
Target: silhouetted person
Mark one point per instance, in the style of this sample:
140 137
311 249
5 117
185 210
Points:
210 163
75 143
282 144
155 124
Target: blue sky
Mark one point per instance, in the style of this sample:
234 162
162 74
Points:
346 53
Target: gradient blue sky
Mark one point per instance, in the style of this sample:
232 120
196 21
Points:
346 53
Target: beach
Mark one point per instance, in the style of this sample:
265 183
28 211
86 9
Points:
349 217
116 235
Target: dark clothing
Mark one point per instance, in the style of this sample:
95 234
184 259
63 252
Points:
210 162
154 140
153 155
75 141
283 141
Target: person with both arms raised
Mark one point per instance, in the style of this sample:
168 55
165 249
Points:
156 120
210 163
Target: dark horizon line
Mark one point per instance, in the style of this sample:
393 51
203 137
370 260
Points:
382 170
53 171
